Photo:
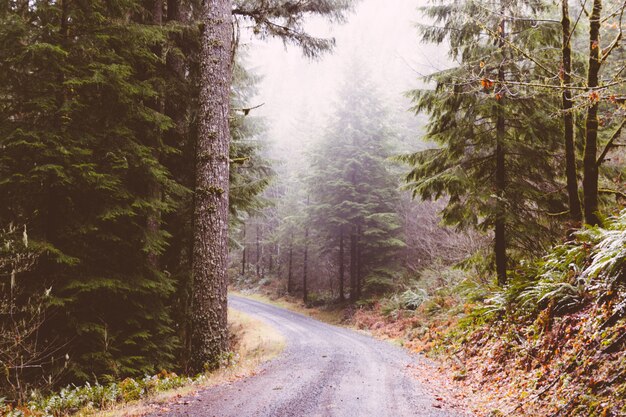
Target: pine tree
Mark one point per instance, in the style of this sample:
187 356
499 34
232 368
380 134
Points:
353 194
76 166
209 333
494 144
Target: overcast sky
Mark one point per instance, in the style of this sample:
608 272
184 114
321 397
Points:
380 33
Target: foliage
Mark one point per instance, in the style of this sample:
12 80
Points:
284 19
353 194
494 149
74 398
589 267
22 356
97 129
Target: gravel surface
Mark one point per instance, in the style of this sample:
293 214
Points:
325 371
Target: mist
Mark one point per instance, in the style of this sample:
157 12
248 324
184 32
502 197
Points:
383 38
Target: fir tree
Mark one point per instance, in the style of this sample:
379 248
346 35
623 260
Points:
353 195
495 145
76 166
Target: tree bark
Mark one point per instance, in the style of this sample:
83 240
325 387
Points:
590 167
342 295
500 177
209 341
575 208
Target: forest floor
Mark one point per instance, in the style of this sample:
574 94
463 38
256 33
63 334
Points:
254 342
548 368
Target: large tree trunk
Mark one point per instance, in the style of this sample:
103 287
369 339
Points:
342 295
575 208
209 341
590 167
500 178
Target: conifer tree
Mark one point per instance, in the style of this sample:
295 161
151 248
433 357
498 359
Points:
353 195
76 166
209 333
493 155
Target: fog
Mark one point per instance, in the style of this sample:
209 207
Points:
379 34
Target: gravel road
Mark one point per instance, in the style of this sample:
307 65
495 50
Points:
325 371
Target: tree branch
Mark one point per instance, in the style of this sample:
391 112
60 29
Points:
610 144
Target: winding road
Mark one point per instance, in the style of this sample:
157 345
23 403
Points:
325 371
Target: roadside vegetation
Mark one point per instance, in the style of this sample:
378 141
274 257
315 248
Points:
252 342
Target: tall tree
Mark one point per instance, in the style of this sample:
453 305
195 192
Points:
571 171
353 193
209 340
486 131
76 84
598 60
590 167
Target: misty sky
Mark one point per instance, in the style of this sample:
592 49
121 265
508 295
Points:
379 33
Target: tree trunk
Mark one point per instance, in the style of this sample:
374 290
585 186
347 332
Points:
342 296
258 251
590 167
209 341
575 208
290 268
270 255
305 291
153 221
353 262
243 252
500 177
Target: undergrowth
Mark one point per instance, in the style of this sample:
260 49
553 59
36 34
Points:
72 398
550 343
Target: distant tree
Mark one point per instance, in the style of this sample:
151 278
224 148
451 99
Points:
353 194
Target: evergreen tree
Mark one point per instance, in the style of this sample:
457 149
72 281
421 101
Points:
496 145
77 163
209 333
353 195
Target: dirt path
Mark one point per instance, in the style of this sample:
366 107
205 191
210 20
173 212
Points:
325 371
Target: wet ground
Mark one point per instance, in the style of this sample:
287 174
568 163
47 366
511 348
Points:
325 371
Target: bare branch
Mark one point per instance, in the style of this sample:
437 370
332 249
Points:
610 144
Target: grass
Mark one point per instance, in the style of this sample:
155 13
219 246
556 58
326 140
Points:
256 343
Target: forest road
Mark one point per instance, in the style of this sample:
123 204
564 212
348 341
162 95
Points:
325 371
